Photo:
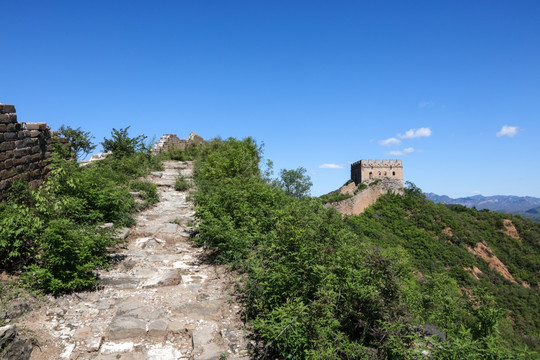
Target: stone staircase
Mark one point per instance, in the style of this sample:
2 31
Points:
161 300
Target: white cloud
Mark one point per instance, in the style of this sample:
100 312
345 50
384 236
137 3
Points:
403 152
416 133
331 166
390 141
509 131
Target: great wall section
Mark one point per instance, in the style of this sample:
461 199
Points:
378 177
24 149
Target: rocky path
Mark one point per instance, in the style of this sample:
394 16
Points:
160 301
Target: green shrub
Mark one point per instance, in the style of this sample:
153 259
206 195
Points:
360 187
335 197
120 144
67 255
181 184
188 153
147 191
52 234
320 286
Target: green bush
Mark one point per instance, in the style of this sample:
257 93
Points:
320 286
335 197
181 184
188 153
67 255
121 144
360 187
52 234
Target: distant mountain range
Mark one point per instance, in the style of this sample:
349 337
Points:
526 206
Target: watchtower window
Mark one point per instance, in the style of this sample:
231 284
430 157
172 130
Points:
393 173
379 173
385 173
370 175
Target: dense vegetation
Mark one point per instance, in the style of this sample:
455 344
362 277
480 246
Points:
389 284
53 236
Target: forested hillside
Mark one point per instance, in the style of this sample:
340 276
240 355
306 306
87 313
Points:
408 279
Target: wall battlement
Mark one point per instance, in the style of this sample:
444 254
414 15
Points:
367 170
24 149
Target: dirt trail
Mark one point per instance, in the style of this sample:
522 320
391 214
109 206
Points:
160 301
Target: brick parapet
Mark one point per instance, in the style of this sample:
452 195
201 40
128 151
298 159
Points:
24 149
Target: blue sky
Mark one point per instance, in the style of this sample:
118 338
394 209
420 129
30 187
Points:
450 87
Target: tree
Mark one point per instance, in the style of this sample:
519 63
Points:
79 142
295 183
122 145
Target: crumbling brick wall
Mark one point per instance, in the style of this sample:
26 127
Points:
24 149
169 141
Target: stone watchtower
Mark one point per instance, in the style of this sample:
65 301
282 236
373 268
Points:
367 170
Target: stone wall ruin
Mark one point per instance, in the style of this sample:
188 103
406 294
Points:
170 141
24 149
380 176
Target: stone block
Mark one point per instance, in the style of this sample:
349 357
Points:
8 118
9 136
6 174
13 127
29 141
7 109
37 126
126 327
24 134
18 153
34 133
35 149
7 145
8 163
170 278
158 328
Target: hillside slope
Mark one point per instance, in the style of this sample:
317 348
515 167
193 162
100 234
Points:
407 279
483 251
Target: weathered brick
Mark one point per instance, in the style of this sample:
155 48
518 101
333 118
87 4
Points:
3 127
35 157
35 133
8 118
21 152
10 135
7 109
3 185
8 164
30 142
6 174
7 145
36 126
4 155
24 134
14 127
